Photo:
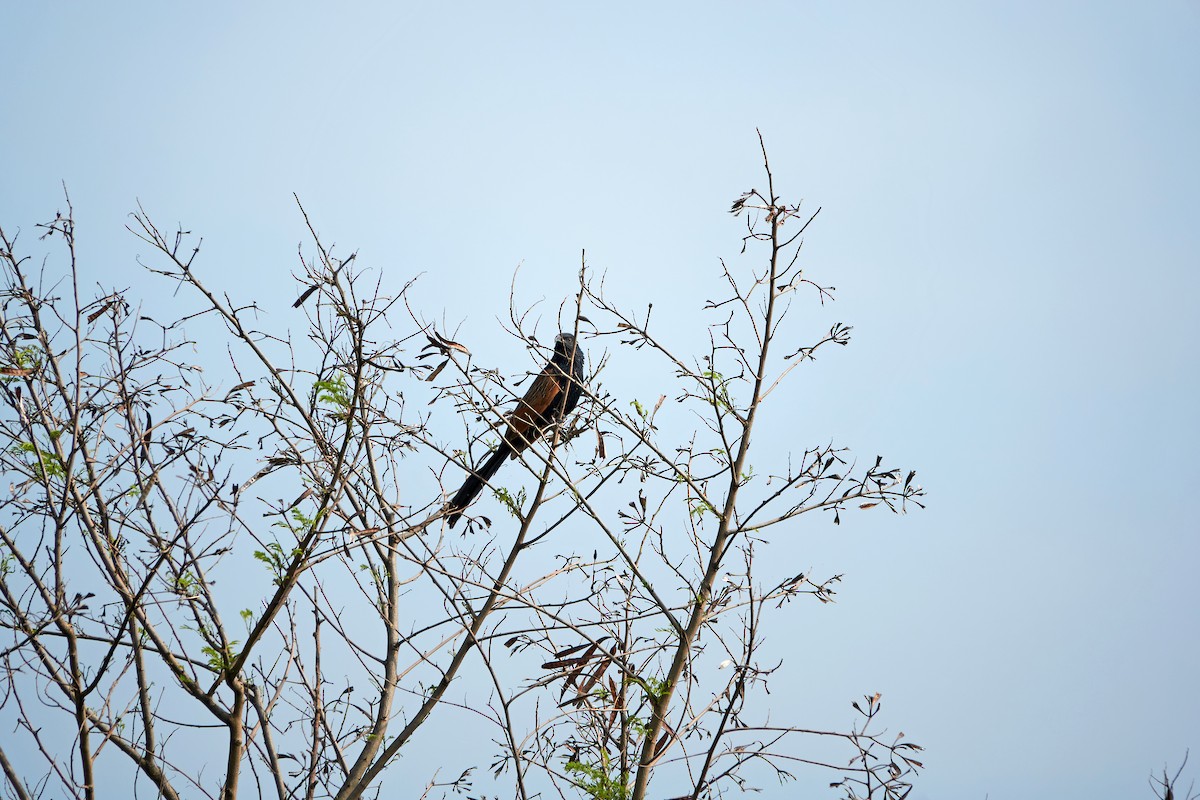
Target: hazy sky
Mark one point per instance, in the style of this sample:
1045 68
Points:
1011 215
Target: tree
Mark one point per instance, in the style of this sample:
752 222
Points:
1166 785
263 571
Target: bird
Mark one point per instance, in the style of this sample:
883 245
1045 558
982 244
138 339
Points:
552 395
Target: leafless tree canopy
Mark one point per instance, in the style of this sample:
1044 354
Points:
244 584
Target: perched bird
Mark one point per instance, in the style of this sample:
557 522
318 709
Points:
551 396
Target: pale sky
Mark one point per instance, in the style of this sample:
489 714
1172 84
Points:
1011 216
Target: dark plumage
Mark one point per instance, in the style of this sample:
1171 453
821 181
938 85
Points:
552 395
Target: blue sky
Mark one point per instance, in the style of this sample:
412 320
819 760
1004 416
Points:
1010 198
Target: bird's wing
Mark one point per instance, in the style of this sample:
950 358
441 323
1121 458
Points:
526 422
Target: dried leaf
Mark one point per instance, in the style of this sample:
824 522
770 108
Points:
237 389
570 650
95 315
300 499
595 677
440 342
560 663
307 294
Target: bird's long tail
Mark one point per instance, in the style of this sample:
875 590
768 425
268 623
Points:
475 482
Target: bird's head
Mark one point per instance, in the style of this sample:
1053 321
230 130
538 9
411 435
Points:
564 343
